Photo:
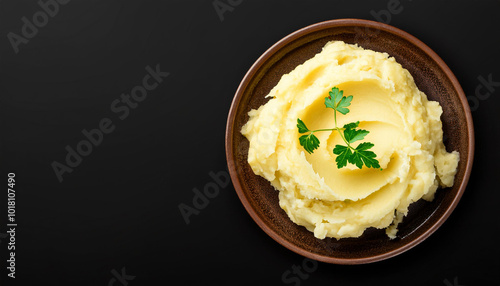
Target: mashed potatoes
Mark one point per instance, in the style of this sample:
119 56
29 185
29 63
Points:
404 126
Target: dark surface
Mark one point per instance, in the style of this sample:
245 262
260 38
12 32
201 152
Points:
431 76
120 207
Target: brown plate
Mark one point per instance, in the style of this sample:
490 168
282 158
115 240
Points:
431 75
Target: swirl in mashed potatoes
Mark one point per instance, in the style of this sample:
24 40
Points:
404 126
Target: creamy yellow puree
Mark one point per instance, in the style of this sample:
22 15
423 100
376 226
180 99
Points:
404 126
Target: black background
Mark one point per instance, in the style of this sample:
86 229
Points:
119 207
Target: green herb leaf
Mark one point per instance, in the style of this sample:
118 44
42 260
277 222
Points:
362 156
302 126
344 153
309 142
364 146
330 103
351 125
336 94
338 101
353 135
334 98
346 101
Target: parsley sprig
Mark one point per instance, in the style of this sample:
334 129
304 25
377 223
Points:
359 155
